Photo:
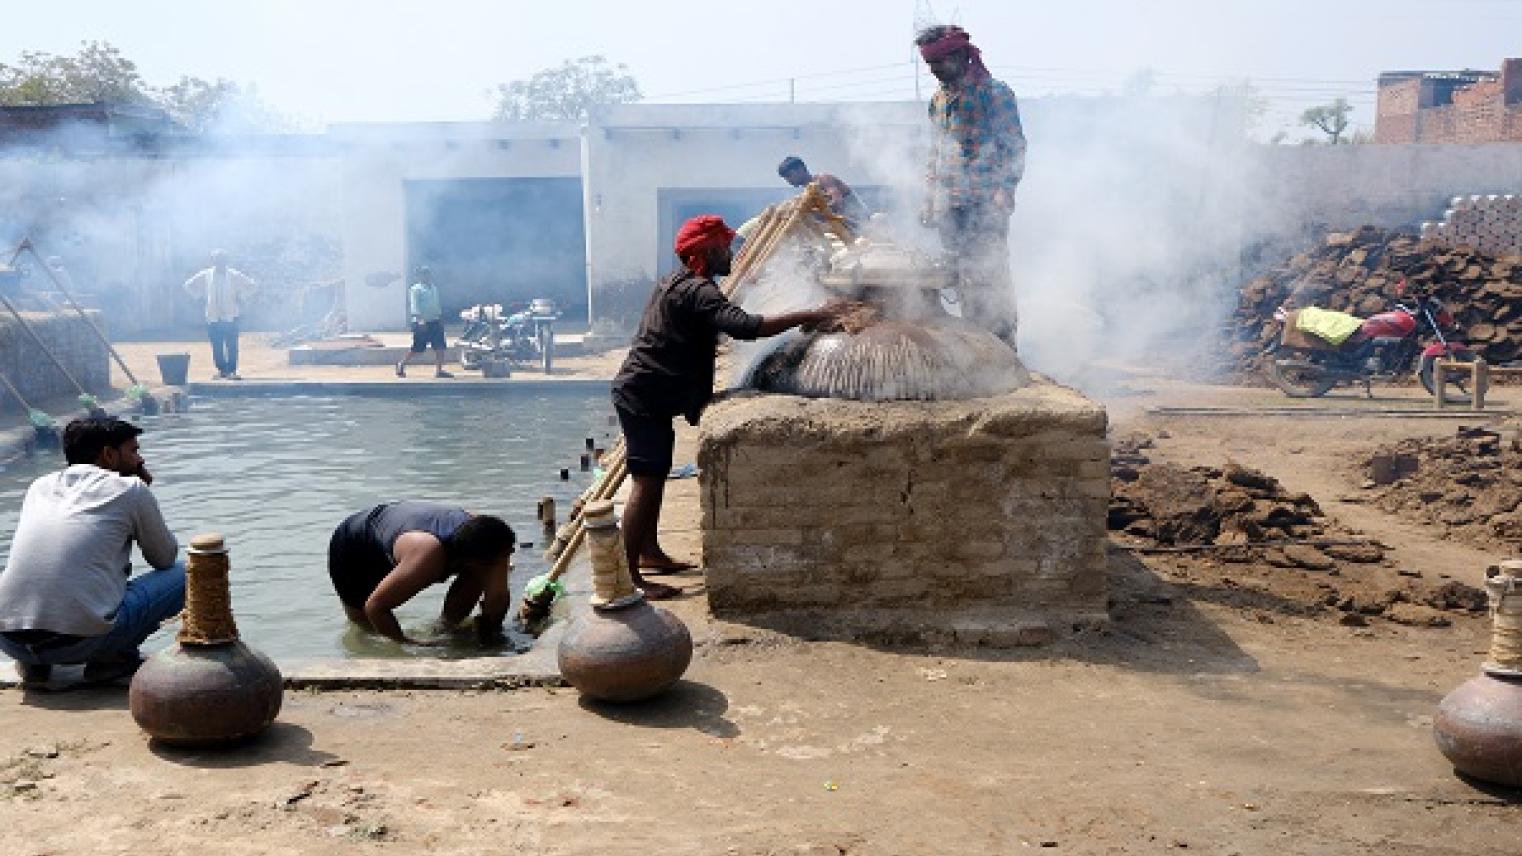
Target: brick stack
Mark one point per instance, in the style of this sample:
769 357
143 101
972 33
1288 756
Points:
1490 224
873 512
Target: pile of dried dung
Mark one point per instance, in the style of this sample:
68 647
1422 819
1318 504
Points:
1357 272
1240 516
1469 484
1162 504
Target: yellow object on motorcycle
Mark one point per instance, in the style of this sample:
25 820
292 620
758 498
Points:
1335 327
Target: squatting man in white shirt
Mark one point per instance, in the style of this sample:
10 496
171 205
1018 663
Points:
67 595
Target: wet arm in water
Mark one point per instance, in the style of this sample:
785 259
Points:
494 605
419 564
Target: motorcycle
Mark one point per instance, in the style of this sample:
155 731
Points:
1385 346
494 337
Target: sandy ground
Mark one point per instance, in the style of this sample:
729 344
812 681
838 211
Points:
1201 720
257 360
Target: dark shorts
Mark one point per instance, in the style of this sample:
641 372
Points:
428 333
648 443
354 566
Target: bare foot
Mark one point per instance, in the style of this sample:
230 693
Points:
664 564
658 591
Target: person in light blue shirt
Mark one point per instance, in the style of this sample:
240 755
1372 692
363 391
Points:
427 318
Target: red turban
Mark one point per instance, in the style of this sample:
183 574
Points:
956 39
698 235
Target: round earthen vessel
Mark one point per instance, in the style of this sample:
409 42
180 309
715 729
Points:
939 358
199 695
1478 727
625 654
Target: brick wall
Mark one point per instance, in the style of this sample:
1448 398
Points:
26 366
1397 112
1488 111
833 506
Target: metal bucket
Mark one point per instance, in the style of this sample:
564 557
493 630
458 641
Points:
174 369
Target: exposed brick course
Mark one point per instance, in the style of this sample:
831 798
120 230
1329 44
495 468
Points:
995 504
1415 108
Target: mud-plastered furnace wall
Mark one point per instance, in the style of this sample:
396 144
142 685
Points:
943 512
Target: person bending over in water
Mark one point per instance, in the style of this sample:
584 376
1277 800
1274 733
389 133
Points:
381 557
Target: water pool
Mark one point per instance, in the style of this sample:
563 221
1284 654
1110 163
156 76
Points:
275 475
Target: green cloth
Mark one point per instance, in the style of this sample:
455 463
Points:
1335 327
423 302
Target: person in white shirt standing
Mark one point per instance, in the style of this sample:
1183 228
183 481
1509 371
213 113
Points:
223 290
66 594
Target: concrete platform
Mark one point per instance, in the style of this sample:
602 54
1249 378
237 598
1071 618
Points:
396 386
360 355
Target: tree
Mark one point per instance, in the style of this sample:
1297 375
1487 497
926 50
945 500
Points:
1330 119
98 73
567 92
221 105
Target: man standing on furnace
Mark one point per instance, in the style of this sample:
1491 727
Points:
977 157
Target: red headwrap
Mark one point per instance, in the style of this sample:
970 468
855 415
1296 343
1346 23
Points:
697 236
956 39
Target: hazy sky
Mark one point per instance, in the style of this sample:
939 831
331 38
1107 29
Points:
346 60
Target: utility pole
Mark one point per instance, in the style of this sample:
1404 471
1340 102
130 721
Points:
792 90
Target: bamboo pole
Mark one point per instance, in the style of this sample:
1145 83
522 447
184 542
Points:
16 392
41 344
780 220
26 245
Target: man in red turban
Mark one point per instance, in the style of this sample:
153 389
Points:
977 157
669 372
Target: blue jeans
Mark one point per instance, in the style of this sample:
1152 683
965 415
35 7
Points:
224 345
150 598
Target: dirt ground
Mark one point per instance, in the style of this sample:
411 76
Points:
1224 710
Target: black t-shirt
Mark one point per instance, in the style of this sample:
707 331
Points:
670 367
359 555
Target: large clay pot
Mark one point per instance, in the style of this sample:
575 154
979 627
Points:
208 687
622 649
205 694
625 654
1479 725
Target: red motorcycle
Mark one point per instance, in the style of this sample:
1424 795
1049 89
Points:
1388 345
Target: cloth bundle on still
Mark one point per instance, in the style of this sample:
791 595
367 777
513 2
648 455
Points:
1334 327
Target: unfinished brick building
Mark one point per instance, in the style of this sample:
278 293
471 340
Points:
1450 106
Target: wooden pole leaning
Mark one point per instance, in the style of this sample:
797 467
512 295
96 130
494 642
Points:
27 246
778 222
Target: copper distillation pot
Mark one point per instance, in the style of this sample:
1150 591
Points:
1478 726
623 648
208 687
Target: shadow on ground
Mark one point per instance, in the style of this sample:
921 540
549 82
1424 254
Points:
281 743
74 699
689 704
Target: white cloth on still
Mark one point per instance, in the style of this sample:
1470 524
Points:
223 292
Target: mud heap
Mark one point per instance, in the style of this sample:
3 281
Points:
1469 484
1237 515
1163 504
1358 272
